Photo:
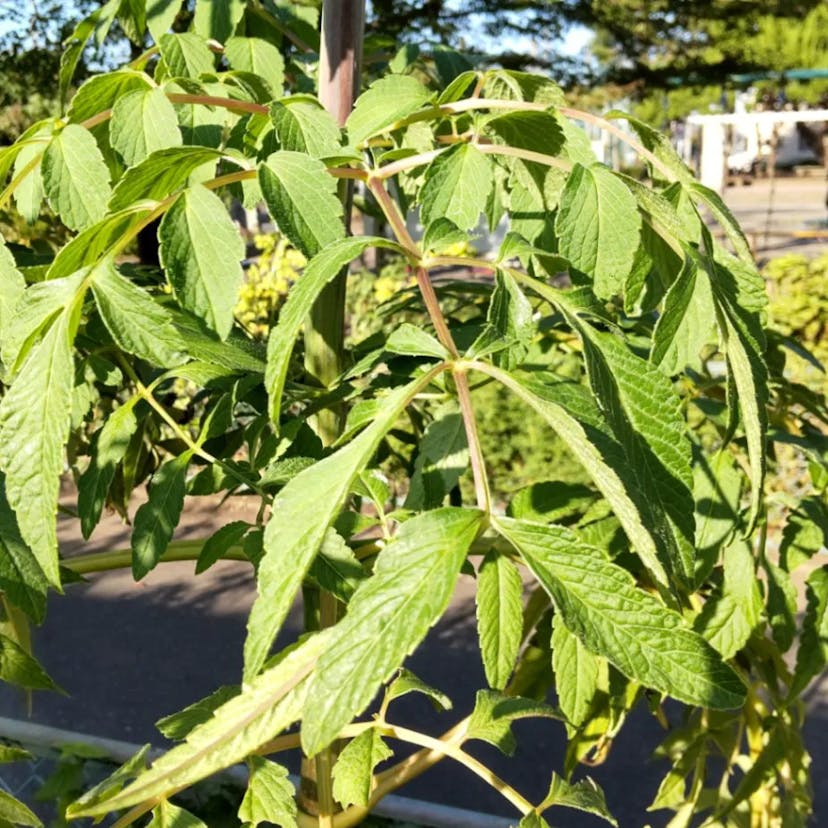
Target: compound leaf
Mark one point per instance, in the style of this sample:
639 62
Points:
267 705
388 616
599 602
301 514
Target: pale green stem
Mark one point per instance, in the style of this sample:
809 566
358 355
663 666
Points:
122 558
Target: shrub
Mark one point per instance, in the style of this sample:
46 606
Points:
648 360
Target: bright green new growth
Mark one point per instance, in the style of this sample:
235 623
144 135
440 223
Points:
610 313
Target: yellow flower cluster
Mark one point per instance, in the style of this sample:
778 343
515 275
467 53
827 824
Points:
267 282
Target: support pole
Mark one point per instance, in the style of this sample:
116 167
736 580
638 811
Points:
339 81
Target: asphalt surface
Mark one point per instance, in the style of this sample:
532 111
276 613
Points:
130 653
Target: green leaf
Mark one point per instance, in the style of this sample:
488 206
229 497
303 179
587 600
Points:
219 542
645 414
34 426
116 781
160 174
12 286
143 122
598 226
167 815
39 304
406 682
178 726
301 514
100 92
336 568
302 124
97 23
11 753
138 324
353 773
601 457
510 324
155 520
805 533
456 187
28 196
714 202
75 177
16 813
812 655
319 271
551 501
743 343
494 714
659 144
186 55
267 705
201 251
302 197
96 241
262 58
389 615
236 354
409 340
499 617
577 673
21 578
583 796
161 15
109 448
386 101
17 667
534 131
599 602
717 489
686 323
533 820
510 85
727 620
217 19
442 459
781 604
270 796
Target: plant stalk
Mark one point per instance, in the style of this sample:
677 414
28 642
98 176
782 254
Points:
343 22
